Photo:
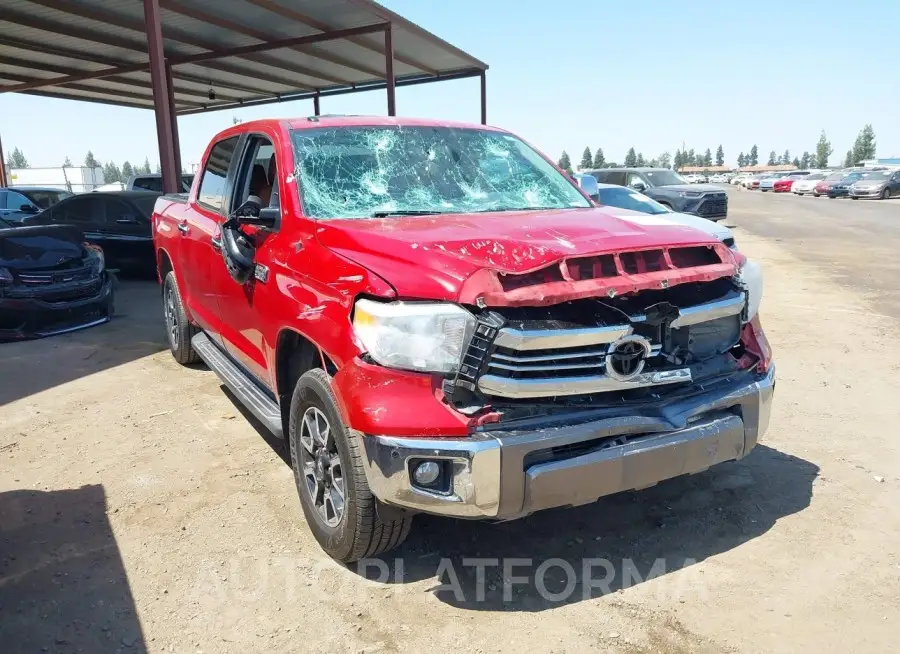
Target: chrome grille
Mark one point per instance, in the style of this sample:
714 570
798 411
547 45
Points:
54 276
550 362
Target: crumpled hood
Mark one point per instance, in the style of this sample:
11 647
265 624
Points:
40 247
430 257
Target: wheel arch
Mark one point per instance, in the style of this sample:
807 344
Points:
296 354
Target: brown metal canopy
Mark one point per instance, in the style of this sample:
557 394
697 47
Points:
182 57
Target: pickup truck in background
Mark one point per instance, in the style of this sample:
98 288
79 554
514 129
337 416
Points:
153 182
438 320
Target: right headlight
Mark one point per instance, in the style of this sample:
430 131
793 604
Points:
750 277
420 336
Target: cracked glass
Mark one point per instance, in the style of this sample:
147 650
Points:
378 171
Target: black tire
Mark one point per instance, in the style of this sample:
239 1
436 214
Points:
886 193
359 531
815 195
179 330
853 198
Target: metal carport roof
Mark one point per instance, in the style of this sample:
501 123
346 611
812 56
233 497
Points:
205 55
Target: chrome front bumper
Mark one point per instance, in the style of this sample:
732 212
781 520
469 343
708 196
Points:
509 474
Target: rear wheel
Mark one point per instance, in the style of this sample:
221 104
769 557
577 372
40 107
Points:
179 330
327 460
815 195
853 197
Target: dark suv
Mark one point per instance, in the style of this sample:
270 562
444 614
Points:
669 188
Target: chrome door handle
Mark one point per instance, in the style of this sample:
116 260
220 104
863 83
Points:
216 243
184 229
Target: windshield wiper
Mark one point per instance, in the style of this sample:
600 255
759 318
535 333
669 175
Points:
388 212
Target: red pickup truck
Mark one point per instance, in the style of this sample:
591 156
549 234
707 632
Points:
438 320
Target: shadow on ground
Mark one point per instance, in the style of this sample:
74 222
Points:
135 331
63 586
639 535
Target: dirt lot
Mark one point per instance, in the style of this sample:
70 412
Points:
140 510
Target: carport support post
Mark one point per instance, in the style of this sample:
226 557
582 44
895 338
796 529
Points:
389 70
175 142
484 97
316 110
161 100
3 181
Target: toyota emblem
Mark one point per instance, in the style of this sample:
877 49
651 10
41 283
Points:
626 357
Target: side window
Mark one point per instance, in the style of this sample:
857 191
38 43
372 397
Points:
15 200
616 177
257 175
215 175
148 184
120 213
633 179
600 176
84 212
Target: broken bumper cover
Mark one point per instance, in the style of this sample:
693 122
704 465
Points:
509 474
36 316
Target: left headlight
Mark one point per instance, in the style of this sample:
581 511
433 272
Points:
750 277
99 261
420 336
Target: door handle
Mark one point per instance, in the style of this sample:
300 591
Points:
184 229
216 243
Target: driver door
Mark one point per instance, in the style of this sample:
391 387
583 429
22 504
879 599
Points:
243 307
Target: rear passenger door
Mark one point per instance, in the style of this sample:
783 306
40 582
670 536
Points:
127 240
200 255
84 212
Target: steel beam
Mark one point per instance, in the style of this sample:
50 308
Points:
4 182
174 116
389 71
161 98
484 97
68 79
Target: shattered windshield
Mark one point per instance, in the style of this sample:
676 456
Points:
363 172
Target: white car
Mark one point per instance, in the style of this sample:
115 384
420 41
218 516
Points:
808 183
638 208
718 179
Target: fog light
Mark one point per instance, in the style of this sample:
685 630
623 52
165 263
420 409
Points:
426 473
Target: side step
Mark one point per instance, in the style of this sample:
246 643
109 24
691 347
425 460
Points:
238 382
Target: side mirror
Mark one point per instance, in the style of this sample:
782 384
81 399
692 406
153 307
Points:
251 212
638 186
588 184
28 208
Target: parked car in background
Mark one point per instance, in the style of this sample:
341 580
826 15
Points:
738 179
841 188
670 189
117 222
51 282
718 179
807 184
786 182
19 202
620 197
883 184
825 185
153 182
752 183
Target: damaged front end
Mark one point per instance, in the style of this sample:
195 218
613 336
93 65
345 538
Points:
686 319
51 282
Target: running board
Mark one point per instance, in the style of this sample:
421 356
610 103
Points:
238 382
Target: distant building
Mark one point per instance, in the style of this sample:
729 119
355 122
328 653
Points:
891 162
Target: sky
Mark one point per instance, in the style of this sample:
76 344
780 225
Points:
565 75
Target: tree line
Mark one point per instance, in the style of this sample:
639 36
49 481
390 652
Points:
863 148
112 172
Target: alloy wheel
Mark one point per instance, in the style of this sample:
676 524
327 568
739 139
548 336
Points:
320 463
171 316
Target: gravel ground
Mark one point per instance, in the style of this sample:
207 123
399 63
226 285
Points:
141 510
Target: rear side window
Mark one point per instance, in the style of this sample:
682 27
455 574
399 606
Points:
215 175
148 184
616 177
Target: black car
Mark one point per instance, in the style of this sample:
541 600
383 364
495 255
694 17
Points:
841 189
19 203
119 222
670 189
51 282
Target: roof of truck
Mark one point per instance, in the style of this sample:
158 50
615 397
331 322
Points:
379 121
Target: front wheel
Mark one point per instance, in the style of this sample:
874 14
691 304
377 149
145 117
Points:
179 330
815 195
327 460
886 193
